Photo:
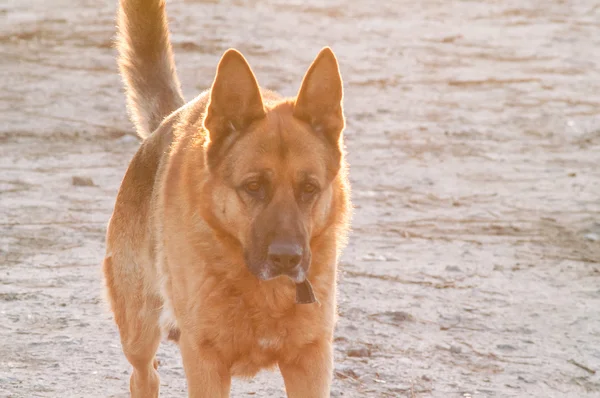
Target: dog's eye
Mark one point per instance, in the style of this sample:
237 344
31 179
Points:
309 188
308 191
253 187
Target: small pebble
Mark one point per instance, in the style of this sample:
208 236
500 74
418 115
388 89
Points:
399 316
82 181
346 372
358 352
453 268
128 138
594 237
506 347
521 378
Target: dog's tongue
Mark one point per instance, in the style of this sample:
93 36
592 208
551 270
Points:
304 293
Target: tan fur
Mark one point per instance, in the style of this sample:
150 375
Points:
146 63
182 240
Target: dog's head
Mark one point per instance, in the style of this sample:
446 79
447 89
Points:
272 162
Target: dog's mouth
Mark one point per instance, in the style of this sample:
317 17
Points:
304 290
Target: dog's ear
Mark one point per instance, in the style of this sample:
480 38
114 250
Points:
319 101
235 99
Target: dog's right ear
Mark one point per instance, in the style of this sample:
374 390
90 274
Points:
235 99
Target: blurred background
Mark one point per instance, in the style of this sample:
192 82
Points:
473 134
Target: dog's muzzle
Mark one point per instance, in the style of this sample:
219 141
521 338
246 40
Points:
286 259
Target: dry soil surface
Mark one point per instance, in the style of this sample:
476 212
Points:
474 137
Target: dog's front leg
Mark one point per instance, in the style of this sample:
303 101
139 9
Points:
207 376
309 374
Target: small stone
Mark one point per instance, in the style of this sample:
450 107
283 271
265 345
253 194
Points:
593 237
82 181
127 138
506 347
455 349
447 323
399 316
347 373
453 268
400 388
373 257
521 378
358 352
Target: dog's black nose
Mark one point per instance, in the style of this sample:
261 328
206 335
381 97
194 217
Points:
285 256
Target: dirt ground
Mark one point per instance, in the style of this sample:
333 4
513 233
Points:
473 133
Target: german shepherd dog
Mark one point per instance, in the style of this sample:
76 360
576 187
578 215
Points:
230 219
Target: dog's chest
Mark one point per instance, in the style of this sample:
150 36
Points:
268 343
258 341
257 351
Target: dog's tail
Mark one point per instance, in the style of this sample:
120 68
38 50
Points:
146 63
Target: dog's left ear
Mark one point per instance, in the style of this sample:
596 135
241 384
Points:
235 99
319 101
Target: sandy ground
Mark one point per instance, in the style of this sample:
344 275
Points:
474 138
